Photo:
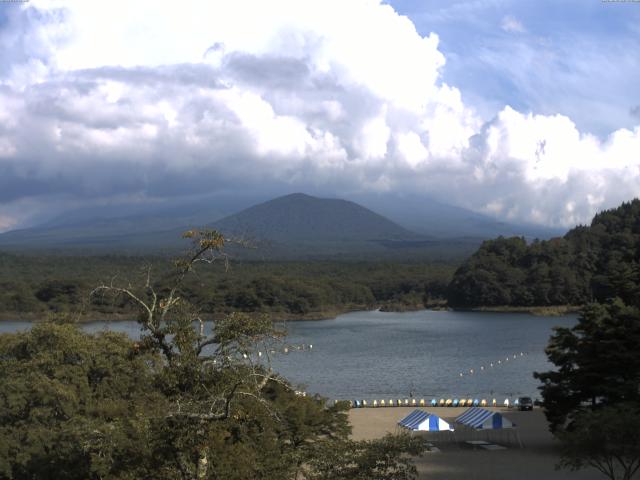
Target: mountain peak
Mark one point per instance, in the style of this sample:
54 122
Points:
296 196
302 217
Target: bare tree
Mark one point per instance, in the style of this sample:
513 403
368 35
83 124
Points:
207 372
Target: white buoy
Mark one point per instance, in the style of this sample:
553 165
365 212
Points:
310 346
259 354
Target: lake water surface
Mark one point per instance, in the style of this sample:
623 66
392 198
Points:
369 355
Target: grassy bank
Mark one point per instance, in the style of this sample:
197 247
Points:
546 311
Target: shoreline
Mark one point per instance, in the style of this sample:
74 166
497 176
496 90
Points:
328 314
545 311
124 317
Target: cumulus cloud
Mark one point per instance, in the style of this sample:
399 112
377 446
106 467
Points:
335 96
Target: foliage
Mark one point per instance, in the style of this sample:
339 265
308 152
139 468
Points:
36 285
607 439
74 405
598 262
598 363
592 400
189 400
367 460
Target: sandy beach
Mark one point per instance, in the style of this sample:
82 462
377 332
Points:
536 459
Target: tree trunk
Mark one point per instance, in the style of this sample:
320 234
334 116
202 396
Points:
203 464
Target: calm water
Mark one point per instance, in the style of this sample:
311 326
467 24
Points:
367 355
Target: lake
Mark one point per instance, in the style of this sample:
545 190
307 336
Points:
375 355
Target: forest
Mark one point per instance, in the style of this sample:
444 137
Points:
590 263
33 286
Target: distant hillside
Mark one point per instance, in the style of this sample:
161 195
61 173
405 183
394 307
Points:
299 217
295 226
430 217
595 262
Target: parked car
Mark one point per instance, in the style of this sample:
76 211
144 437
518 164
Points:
525 403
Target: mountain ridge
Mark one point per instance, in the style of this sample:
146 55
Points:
296 225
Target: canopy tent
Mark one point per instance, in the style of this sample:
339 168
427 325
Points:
478 420
482 419
424 422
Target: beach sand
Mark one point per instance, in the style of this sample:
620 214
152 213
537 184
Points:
459 460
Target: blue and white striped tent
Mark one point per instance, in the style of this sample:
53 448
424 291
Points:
424 422
482 419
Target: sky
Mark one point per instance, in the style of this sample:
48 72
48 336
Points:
527 110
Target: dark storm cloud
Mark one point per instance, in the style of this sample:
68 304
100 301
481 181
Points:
269 72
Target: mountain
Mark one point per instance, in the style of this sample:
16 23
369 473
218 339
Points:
430 217
292 226
302 218
300 225
124 228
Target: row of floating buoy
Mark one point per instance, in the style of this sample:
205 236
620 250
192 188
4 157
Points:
484 368
449 402
290 348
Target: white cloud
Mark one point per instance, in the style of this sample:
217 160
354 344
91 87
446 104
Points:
512 25
374 137
340 96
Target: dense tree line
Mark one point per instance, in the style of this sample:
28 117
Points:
590 263
39 285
